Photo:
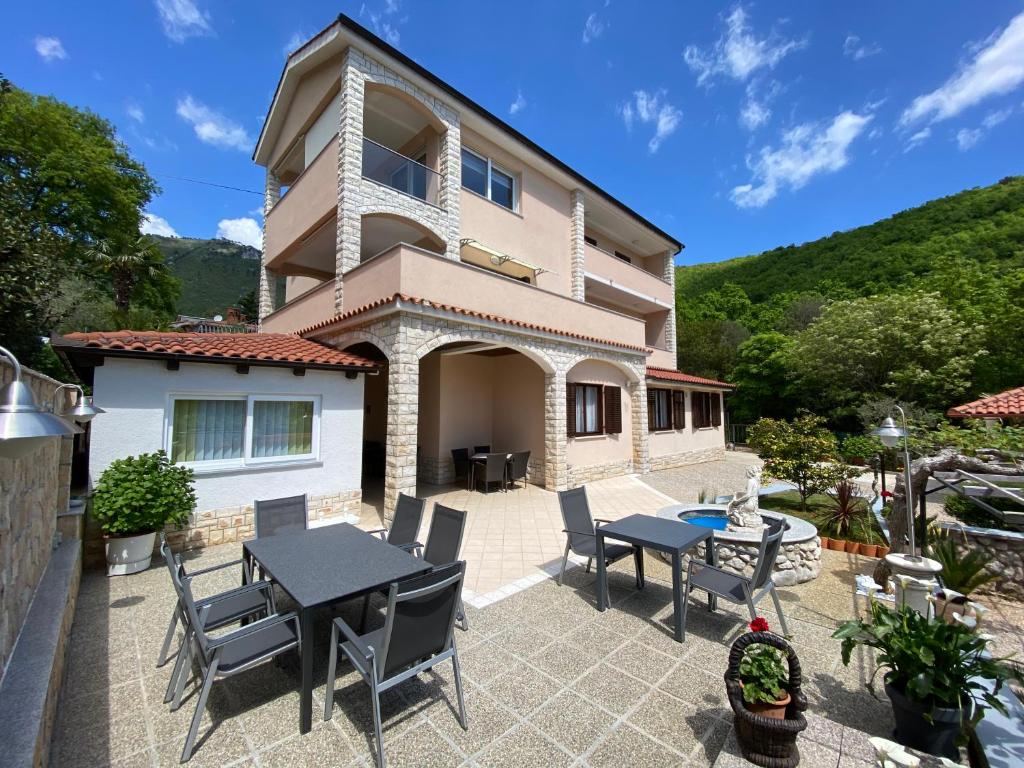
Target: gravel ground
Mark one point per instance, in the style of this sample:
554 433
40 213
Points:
717 477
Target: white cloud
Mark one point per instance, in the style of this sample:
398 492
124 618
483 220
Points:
156 225
380 23
135 112
593 27
651 108
992 119
921 136
857 50
518 105
968 137
807 150
739 53
245 230
754 114
183 19
50 48
212 127
296 41
997 68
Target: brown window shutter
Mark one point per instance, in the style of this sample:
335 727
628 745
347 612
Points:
716 409
699 409
650 410
612 410
679 408
570 409
600 408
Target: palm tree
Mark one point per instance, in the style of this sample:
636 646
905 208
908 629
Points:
127 262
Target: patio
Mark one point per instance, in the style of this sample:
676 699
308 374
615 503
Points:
549 681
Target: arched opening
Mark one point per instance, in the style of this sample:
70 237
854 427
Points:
475 394
402 142
381 231
599 409
375 425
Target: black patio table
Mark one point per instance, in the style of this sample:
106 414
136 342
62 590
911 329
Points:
323 566
673 537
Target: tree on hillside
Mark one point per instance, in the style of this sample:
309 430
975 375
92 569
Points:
66 183
708 347
761 376
908 346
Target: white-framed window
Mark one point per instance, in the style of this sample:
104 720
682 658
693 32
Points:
481 175
209 432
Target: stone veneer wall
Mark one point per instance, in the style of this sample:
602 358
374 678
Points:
592 472
1005 548
701 456
33 491
230 524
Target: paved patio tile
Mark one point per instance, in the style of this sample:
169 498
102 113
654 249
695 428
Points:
572 721
674 723
611 689
423 746
523 746
524 689
627 746
642 662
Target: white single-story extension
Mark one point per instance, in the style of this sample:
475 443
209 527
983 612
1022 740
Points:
255 416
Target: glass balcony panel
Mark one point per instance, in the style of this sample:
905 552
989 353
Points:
399 172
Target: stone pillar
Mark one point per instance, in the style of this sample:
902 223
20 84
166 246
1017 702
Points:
271 195
556 472
670 325
350 173
578 245
450 171
641 444
403 417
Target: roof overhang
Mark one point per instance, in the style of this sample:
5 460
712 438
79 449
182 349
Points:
685 379
345 31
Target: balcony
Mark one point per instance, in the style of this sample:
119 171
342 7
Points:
311 200
613 279
387 167
302 311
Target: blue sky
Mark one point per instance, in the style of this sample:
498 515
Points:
734 127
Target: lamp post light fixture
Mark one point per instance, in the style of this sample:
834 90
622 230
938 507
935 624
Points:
890 434
83 411
24 426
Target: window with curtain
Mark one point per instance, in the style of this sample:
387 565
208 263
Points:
237 430
588 409
659 407
707 409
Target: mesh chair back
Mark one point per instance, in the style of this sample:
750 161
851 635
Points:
481 449
520 462
406 525
189 603
445 538
494 467
771 541
274 516
576 516
420 618
173 566
460 458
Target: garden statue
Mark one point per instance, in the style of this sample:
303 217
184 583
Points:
742 510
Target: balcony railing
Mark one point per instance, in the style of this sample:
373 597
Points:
399 172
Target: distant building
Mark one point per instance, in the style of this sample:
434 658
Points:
233 321
1008 405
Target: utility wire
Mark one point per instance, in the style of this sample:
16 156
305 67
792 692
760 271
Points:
207 183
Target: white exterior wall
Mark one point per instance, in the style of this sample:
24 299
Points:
135 395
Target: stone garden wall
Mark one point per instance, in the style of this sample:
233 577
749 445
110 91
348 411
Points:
1005 548
33 491
685 458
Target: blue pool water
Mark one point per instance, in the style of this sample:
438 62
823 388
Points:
718 522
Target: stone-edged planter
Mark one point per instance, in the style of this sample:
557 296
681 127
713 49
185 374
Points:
936 735
129 554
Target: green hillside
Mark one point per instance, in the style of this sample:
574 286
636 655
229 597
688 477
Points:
985 225
213 273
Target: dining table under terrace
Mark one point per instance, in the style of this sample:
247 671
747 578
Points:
327 565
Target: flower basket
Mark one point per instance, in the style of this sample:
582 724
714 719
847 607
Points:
767 741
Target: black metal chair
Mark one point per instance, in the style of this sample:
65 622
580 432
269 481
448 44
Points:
276 516
740 589
240 604
493 471
227 654
418 634
406 524
517 467
581 536
481 449
463 465
444 540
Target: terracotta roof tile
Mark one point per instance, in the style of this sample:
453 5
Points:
1006 404
266 347
666 374
461 311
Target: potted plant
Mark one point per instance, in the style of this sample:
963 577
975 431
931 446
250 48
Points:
763 684
963 572
935 674
136 497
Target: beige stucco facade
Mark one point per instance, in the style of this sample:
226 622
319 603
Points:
484 307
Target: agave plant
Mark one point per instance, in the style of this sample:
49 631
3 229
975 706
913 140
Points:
962 571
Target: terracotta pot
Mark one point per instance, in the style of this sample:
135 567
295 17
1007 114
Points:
882 550
868 550
837 545
775 710
824 541
852 547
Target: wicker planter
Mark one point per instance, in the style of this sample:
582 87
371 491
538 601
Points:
766 741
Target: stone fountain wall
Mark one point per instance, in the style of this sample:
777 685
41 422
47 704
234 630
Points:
796 562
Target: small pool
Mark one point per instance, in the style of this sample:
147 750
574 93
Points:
718 522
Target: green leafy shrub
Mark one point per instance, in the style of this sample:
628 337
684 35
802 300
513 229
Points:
968 513
142 494
962 571
863 447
